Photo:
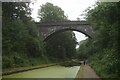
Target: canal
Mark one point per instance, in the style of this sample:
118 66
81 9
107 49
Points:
48 72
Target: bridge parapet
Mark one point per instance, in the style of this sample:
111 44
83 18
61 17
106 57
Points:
62 23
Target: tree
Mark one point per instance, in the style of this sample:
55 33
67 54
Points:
21 41
49 12
105 57
62 45
16 10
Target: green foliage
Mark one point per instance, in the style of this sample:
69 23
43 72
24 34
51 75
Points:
62 45
86 49
16 10
103 51
105 65
22 43
49 12
71 64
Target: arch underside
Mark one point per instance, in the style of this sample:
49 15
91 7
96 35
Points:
63 30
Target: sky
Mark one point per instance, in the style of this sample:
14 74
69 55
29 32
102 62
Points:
73 9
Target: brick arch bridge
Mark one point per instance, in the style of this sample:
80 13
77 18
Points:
48 29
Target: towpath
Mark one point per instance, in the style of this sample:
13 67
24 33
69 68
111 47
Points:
87 73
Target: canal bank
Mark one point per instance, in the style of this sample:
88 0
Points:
23 69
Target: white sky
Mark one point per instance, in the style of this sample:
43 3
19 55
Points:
72 8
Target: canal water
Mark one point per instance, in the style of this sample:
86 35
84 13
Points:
48 72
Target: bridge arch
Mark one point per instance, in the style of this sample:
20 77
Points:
63 30
48 29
